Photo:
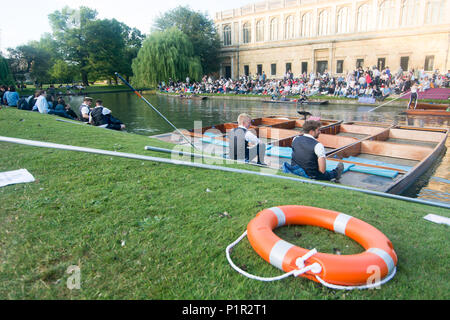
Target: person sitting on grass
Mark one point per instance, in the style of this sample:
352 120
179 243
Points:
309 157
101 117
11 97
63 110
385 92
85 109
41 103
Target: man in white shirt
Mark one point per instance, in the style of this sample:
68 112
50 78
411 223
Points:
309 154
85 109
41 102
244 145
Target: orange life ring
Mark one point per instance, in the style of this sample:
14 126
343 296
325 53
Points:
345 270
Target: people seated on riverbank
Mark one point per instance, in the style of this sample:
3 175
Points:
102 117
41 105
350 85
309 157
63 110
243 144
385 92
11 97
85 109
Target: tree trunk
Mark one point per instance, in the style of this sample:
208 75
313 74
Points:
84 78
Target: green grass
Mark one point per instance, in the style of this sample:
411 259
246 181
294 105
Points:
145 230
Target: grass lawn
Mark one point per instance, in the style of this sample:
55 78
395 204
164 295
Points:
144 230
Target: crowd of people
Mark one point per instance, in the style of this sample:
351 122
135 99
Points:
361 82
47 103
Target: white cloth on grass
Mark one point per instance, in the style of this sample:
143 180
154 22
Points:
14 177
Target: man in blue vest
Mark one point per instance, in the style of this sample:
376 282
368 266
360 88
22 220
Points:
309 154
244 145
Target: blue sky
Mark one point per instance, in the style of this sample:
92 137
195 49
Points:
30 20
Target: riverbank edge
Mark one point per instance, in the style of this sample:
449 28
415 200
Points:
30 207
331 100
84 93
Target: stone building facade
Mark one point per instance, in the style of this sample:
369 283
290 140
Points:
275 36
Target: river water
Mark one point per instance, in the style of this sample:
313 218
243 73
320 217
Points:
141 119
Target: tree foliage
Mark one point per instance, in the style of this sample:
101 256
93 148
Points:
166 55
97 47
6 77
200 30
33 59
63 72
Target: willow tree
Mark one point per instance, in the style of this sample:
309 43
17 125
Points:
166 55
6 78
201 31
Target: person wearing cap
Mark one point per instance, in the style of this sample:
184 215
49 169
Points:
309 154
85 109
102 117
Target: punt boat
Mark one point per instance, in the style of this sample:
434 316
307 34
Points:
376 156
391 160
430 109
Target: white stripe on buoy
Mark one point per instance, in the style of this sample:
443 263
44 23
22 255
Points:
278 252
280 216
385 256
340 224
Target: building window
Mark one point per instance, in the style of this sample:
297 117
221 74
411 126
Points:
404 63
227 35
322 66
228 72
363 18
288 67
409 12
435 11
273 69
340 66
343 20
259 69
429 63
359 63
386 15
274 29
306 25
246 33
304 67
381 63
289 28
246 70
324 25
260 31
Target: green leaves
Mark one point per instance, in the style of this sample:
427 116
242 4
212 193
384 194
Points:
96 47
200 30
5 73
166 55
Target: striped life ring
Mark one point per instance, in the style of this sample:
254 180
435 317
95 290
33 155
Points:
342 270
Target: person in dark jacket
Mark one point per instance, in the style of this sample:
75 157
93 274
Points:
309 154
102 117
243 144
